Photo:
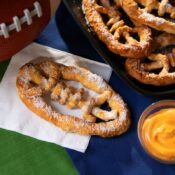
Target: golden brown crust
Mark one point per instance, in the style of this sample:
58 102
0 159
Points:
142 71
163 40
164 62
145 16
33 81
115 28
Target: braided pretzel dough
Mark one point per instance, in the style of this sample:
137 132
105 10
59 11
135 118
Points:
144 16
141 71
110 32
35 81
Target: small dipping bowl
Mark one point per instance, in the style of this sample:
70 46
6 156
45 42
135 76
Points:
149 113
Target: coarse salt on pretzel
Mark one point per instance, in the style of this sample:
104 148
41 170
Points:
158 14
34 81
109 25
146 72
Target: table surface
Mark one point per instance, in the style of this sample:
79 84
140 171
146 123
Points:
120 155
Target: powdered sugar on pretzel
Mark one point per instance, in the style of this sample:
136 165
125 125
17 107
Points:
159 70
152 13
34 81
109 25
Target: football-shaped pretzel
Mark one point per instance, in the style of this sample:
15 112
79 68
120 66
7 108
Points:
158 14
109 24
158 68
34 81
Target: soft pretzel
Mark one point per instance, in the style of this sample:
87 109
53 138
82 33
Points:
153 13
111 28
164 40
34 81
159 69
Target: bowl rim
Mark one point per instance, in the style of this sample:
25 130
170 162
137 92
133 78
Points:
143 116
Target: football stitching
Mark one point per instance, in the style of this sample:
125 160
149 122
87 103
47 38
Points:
17 22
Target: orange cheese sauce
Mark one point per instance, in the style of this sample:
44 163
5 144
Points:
158 134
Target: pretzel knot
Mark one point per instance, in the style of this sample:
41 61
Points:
158 14
35 81
109 25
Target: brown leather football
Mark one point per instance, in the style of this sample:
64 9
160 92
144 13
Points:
20 23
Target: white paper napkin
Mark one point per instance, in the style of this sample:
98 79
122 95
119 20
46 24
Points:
15 116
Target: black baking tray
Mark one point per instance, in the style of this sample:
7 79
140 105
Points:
115 61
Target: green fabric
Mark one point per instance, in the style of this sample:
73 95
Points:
3 67
22 155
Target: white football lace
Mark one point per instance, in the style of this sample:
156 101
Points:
17 22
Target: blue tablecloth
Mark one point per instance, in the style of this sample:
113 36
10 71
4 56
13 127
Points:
115 156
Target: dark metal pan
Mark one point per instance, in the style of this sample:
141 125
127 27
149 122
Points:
115 61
